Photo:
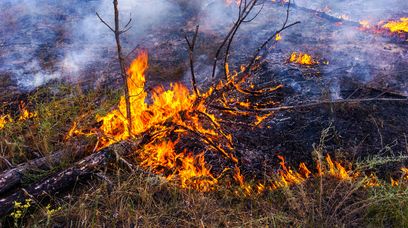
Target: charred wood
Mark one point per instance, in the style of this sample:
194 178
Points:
312 104
13 177
58 182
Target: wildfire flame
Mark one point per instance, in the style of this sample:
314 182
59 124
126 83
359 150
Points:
173 105
302 58
278 37
4 119
165 104
25 114
184 112
394 28
404 177
400 26
365 24
287 176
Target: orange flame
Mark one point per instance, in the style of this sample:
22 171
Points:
173 105
336 169
302 58
400 26
24 113
365 24
4 119
165 105
394 182
287 176
405 173
238 177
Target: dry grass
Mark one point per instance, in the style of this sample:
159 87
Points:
138 200
118 198
56 109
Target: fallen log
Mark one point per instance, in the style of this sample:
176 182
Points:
13 177
60 181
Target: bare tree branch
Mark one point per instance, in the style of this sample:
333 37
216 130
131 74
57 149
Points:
312 104
104 22
191 46
244 9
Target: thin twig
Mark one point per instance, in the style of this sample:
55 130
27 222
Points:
191 47
284 27
246 13
315 103
243 10
104 22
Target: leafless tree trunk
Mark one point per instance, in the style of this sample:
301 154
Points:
122 65
117 31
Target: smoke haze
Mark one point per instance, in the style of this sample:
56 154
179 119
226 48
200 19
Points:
52 39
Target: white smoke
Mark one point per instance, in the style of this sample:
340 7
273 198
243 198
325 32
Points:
91 41
33 30
93 38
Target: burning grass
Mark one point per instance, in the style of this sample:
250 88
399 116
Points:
38 126
4 119
25 114
398 26
191 171
330 193
302 59
175 115
142 199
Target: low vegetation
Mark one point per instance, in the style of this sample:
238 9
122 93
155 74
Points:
119 197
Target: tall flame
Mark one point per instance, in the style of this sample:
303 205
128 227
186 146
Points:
172 105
